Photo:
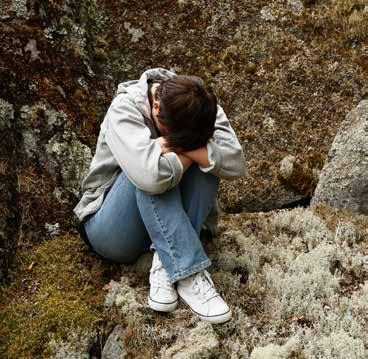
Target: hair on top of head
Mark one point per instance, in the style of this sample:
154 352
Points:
188 108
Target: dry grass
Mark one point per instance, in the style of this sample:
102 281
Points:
352 17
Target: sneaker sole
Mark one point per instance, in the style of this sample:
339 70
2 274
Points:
162 307
214 319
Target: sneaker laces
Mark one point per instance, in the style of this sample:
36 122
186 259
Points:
203 282
159 276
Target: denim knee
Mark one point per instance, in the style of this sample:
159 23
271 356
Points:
120 249
200 181
116 231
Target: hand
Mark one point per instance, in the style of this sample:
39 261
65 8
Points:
186 161
199 155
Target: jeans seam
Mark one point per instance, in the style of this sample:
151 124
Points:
186 273
164 233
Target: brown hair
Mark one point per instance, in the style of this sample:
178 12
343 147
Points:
188 109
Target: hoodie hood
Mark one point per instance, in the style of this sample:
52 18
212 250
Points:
124 144
138 88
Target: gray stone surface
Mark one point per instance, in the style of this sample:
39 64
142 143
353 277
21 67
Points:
67 156
198 342
296 6
14 8
343 181
54 145
76 346
8 176
6 114
114 347
286 166
276 80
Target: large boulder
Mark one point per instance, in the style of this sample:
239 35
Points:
9 219
344 179
284 86
44 101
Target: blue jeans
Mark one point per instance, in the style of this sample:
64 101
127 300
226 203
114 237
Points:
131 222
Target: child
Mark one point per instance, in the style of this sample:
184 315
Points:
163 146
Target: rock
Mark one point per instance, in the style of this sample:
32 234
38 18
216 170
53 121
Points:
266 13
211 223
20 8
53 229
67 156
15 7
235 49
273 351
296 6
122 296
286 166
30 143
114 346
76 346
52 161
136 33
62 153
9 211
6 114
197 343
32 48
42 116
343 180
296 174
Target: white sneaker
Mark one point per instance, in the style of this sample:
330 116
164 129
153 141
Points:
163 296
199 293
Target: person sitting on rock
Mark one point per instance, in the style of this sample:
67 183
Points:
153 182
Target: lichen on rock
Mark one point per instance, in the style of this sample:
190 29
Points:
286 88
114 346
6 114
122 296
273 351
69 157
75 346
342 181
198 342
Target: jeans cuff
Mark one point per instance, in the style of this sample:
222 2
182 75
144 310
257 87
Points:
194 269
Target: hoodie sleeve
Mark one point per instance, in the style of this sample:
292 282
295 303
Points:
139 156
225 154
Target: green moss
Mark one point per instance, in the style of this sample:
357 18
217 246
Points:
54 291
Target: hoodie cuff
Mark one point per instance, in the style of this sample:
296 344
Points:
176 166
214 158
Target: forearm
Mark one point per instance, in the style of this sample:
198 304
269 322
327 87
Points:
186 161
199 155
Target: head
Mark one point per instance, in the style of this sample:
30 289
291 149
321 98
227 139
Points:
185 112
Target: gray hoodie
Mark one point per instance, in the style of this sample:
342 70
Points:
128 141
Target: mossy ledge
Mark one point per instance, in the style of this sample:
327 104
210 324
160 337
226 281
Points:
55 289
61 295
